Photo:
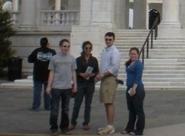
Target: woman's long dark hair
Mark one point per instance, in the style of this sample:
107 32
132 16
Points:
131 49
83 47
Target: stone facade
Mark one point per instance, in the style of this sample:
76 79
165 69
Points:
80 20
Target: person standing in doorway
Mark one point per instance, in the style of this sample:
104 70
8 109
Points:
61 83
135 94
109 68
87 69
41 57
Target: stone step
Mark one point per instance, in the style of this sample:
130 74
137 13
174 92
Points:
16 85
120 87
168 83
127 45
142 38
122 40
131 33
160 68
181 64
154 63
155 50
129 38
27 81
123 74
163 61
145 78
125 52
148 85
164 80
166 56
167 71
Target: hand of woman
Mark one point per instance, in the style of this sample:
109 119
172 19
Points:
132 92
98 77
84 75
91 74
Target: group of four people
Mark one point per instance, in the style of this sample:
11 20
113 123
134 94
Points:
69 76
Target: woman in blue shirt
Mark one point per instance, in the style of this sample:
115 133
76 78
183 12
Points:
135 94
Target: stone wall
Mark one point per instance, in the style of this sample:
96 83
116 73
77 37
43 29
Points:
25 42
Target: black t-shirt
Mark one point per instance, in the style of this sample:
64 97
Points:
41 57
82 66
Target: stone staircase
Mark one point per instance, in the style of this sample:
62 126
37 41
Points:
164 70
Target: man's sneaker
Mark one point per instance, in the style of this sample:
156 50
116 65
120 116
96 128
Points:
135 134
86 127
132 133
65 131
124 132
106 131
35 109
72 127
54 132
99 129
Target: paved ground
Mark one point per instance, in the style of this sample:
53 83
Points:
165 113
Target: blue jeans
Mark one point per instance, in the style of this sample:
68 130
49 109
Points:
64 96
136 120
38 86
85 90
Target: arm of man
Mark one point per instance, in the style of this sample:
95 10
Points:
74 78
32 57
115 62
74 89
50 81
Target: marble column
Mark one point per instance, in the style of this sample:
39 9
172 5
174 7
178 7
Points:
140 14
57 8
170 25
28 14
15 10
121 14
15 5
85 12
170 12
103 13
57 5
182 13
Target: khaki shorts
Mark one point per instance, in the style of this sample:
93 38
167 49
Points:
108 89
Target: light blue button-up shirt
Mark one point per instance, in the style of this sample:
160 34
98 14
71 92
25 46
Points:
110 60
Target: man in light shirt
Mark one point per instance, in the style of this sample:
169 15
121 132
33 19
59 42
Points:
109 68
61 82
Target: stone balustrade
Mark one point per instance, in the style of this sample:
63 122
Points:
62 17
51 20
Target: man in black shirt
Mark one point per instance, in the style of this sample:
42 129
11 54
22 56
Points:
40 57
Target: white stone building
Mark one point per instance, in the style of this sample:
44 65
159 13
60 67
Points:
80 20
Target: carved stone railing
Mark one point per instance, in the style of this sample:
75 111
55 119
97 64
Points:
57 18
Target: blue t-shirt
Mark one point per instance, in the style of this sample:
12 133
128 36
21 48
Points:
134 73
